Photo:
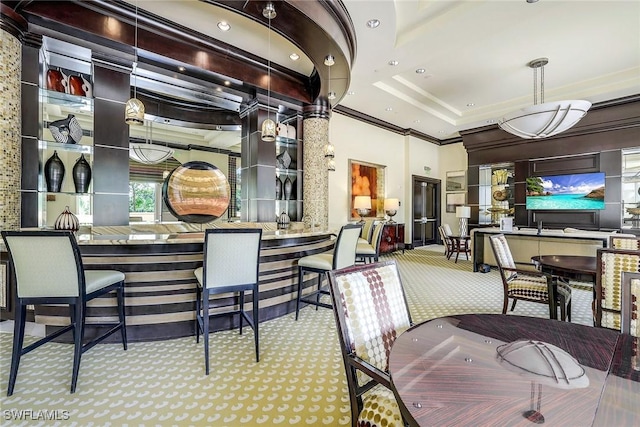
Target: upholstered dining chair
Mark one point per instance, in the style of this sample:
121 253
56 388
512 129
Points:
231 264
366 232
47 269
370 252
343 255
611 264
630 320
371 310
446 241
528 284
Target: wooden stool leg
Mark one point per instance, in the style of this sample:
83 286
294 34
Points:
18 340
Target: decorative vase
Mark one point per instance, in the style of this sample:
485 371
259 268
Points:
278 189
75 86
67 221
291 132
81 175
86 86
288 187
54 173
56 81
284 159
282 129
283 220
66 131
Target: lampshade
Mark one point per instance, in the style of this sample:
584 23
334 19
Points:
545 119
362 202
149 153
134 112
391 204
268 130
463 212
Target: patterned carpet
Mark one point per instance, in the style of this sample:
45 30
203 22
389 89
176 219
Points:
299 380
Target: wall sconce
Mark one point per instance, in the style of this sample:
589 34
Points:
362 205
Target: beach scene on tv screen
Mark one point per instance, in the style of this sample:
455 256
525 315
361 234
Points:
577 191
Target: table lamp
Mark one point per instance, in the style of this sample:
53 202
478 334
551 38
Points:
391 208
362 205
463 213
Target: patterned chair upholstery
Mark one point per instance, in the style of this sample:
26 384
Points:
446 241
47 269
630 303
370 252
612 263
371 311
624 242
529 284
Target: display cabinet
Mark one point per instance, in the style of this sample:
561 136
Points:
288 179
496 192
65 140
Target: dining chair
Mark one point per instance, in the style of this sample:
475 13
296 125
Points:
611 264
370 252
231 265
446 241
529 284
624 242
366 232
630 303
370 310
47 268
343 255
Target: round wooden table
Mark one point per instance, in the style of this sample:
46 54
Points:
447 371
578 267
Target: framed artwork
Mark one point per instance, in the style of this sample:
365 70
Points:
455 199
456 181
366 179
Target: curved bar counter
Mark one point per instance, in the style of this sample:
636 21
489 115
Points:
161 287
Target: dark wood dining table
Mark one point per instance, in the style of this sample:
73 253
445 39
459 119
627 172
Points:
448 371
577 267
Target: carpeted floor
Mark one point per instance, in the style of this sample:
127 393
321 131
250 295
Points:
299 380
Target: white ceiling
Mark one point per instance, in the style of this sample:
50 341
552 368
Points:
475 54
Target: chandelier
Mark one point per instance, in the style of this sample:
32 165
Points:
147 152
545 119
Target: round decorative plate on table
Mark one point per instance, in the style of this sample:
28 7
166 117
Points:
196 192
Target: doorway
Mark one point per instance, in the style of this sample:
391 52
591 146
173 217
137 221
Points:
426 210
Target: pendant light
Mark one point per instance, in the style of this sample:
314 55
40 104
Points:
268 125
543 120
329 149
147 152
134 108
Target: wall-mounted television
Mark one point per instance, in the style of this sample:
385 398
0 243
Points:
584 191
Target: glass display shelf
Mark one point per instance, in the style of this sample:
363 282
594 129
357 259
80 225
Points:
287 142
78 103
76 148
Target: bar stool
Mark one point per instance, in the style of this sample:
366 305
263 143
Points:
47 269
344 255
231 263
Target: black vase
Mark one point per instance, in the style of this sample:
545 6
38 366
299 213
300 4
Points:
54 173
81 175
288 187
278 189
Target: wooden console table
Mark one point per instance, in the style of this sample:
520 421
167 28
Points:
392 238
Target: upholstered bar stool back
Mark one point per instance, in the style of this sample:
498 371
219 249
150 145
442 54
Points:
611 264
231 265
371 310
370 252
624 242
47 269
365 233
343 255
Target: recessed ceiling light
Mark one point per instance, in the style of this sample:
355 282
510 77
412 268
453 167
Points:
420 71
393 62
416 121
389 109
329 60
351 92
227 83
181 68
294 56
373 23
471 104
491 121
440 131
331 95
224 26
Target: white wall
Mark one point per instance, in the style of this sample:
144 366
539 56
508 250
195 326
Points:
403 157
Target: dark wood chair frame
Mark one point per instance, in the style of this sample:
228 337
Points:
77 312
626 301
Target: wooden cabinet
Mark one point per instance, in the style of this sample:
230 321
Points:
392 238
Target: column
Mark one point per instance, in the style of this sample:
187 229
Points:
12 29
316 177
